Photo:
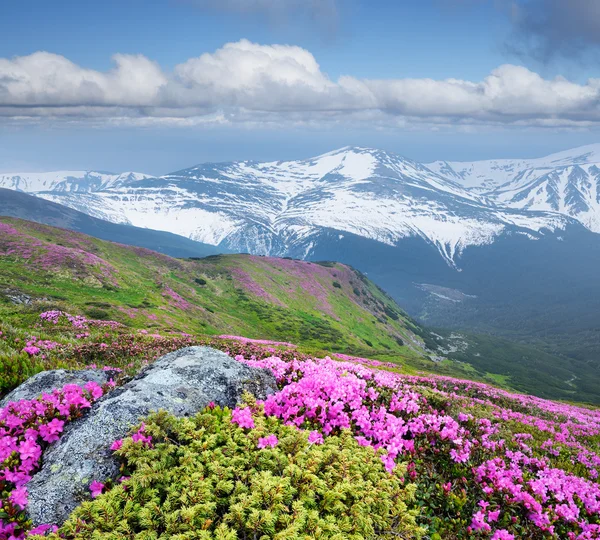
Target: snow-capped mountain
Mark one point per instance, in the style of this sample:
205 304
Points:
62 181
280 208
566 182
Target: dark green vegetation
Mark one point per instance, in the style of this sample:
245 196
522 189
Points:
206 478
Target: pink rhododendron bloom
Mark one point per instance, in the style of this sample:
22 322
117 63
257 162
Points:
502 534
50 432
493 515
43 529
140 436
314 437
96 488
18 497
269 441
117 445
243 418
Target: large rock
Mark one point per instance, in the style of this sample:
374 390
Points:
182 383
46 381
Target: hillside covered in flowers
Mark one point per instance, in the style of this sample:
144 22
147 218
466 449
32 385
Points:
361 439
466 460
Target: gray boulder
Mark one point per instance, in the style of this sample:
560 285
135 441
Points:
182 383
46 381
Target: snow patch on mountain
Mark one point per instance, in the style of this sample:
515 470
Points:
565 182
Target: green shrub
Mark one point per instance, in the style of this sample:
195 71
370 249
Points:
97 313
205 478
200 281
392 314
16 368
337 285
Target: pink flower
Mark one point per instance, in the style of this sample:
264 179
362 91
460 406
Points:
493 515
314 437
141 436
243 418
117 445
270 441
18 497
50 432
96 488
94 389
43 529
502 534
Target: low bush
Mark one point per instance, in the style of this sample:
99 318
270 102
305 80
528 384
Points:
97 313
16 368
208 478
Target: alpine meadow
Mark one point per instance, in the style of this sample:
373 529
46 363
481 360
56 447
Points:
277 270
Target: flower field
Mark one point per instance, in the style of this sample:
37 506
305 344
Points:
485 463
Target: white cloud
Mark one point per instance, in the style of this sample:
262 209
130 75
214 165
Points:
245 82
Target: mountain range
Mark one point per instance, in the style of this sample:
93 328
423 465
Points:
282 208
509 247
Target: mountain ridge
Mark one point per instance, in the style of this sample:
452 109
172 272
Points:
276 208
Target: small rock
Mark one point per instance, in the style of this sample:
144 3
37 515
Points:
46 381
182 383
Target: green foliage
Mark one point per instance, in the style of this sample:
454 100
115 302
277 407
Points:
337 285
205 478
16 368
97 313
391 313
257 297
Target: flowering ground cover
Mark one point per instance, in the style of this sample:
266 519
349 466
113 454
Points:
484 462
27 427
259 297
321 307
487 463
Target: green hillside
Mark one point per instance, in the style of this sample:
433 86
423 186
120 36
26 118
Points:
322 306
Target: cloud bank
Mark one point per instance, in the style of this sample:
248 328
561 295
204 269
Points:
248 83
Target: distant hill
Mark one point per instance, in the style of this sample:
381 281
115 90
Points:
20 205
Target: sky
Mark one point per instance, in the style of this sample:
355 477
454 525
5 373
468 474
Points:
157 86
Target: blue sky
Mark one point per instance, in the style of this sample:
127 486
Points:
346 72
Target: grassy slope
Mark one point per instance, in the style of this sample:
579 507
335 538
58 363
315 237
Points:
233 294
325 307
